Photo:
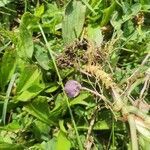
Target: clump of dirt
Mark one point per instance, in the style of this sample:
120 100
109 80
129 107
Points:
72 54
80 52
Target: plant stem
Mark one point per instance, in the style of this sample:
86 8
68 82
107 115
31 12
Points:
61 83
97 94
137 112
133 133
25 5
7 98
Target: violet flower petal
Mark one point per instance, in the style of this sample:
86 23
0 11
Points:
72 88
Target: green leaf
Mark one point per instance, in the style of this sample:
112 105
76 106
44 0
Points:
41 130
42 57
4 2
52 88
66 72
105 122
51 11
116 23
25 45
128 28
29 76
146 7
52 18
62 127
13 126
104 125
133 12
30 93
73 21
62 142
50 145
80 99
11 35
40 109
39 11
7 67
6 146
107 14
60 106
95 35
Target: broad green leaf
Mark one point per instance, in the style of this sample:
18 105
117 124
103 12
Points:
102 125
25 45
29 76
25 42
40 109
50 145
95 35
52 18
30 93
52 88
7 67
73 21
62 142
39 11
41 130
128 28
60 106
80 99
28 20
51 11
42 57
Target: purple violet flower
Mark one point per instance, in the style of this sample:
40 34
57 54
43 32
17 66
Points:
72 88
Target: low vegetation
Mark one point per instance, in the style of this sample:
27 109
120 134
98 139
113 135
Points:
74 74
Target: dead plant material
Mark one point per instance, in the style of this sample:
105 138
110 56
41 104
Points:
101 75
72 54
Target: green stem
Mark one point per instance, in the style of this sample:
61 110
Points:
25 5
113 133
97 94
61 83
134 140
7 98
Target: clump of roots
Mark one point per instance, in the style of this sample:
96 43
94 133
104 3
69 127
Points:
80 52
72 54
